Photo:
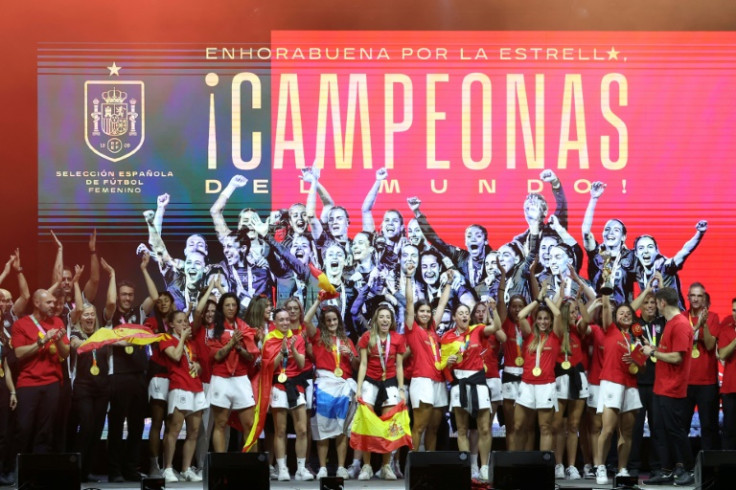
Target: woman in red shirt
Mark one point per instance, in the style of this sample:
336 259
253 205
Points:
186 397
381 376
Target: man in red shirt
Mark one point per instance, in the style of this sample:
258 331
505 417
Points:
670 393
41 345
726 348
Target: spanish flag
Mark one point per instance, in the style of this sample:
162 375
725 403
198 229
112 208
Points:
264 381
132 334
324 283
380 434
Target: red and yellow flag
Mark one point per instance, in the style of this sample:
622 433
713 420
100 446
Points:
132 334
324 283
380 434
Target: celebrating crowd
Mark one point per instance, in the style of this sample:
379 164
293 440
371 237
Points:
566 361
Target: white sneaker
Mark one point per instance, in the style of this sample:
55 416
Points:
623 472
284 474
572 473
274 472
483 473
343 473
366 472
353 471
474 471
396 467
588 472
303 474
559 471
170 476
191 475
154 470
601 475
387 473
322 473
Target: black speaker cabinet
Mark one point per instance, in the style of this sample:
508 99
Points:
715 470
438 470
236 471
523 469
52 471
331 483
153 483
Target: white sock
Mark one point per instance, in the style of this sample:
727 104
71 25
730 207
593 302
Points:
300 463
474 459
357 463
281 463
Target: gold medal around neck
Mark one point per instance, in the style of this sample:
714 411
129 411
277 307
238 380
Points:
654 359
383 377
696 352
129 349
437 365
519 361
52 348
566 365
193 373
338 372
282 378
633 368
537 371
94 370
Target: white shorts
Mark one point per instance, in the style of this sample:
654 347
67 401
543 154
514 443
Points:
563 387
186 401
158 389
309 393
510 389
537 397
484 395
425 390
618 396
369 391
494 385
280 400
593 391
233 393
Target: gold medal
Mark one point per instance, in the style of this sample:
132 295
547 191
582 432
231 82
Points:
696 352
193 373
633 368
459 358
338 372
2 372
52 348
129 349
537 371
654 359
282 378
437 365
519 361
383 377
566 365
94 370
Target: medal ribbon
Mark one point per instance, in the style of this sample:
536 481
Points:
336 352
519 341
384 362
696 334
538 360
435 350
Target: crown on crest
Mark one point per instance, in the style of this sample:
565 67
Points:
114 96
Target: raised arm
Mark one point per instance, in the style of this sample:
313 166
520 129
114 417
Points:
76 313
369 224
6 269
217 208
444 297
148 303
158 218
24 293
58 271
596 190
311 176
202 303
700 228
112 291
606 313
559 194
656 280
409 295
309 319
93 283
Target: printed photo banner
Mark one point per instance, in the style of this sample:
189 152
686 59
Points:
466 121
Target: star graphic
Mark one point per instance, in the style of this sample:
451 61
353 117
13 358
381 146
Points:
613 54
115 69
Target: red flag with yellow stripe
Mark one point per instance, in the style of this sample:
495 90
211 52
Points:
380 434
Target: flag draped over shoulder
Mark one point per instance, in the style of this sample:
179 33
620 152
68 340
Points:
263 381
381 434
132 334
332 396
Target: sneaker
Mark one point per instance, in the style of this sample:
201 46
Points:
354 471
274 472
343 473
396 467
572 473
154 471
683 478
170 476
559 471
190 475
322 473
284 474
660 478
387 473
366 472
601 475
483 473
588 472
303 474
623 472
474 471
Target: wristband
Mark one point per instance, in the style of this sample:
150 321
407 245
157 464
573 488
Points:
39 343
12 393
19 270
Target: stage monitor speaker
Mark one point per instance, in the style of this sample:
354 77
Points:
715 470
437 470
153 483
53 471
236 471
514 470
331 483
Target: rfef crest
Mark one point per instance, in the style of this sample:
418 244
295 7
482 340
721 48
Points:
114 122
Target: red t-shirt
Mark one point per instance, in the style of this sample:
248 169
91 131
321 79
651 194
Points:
576 354
704 368
547 357
43 367
291 369
397 345
597 339
325 359
233 364
308 364
203 352
726 335
425 351
669 378
471 344
179 377
614 369
512 348
490 357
